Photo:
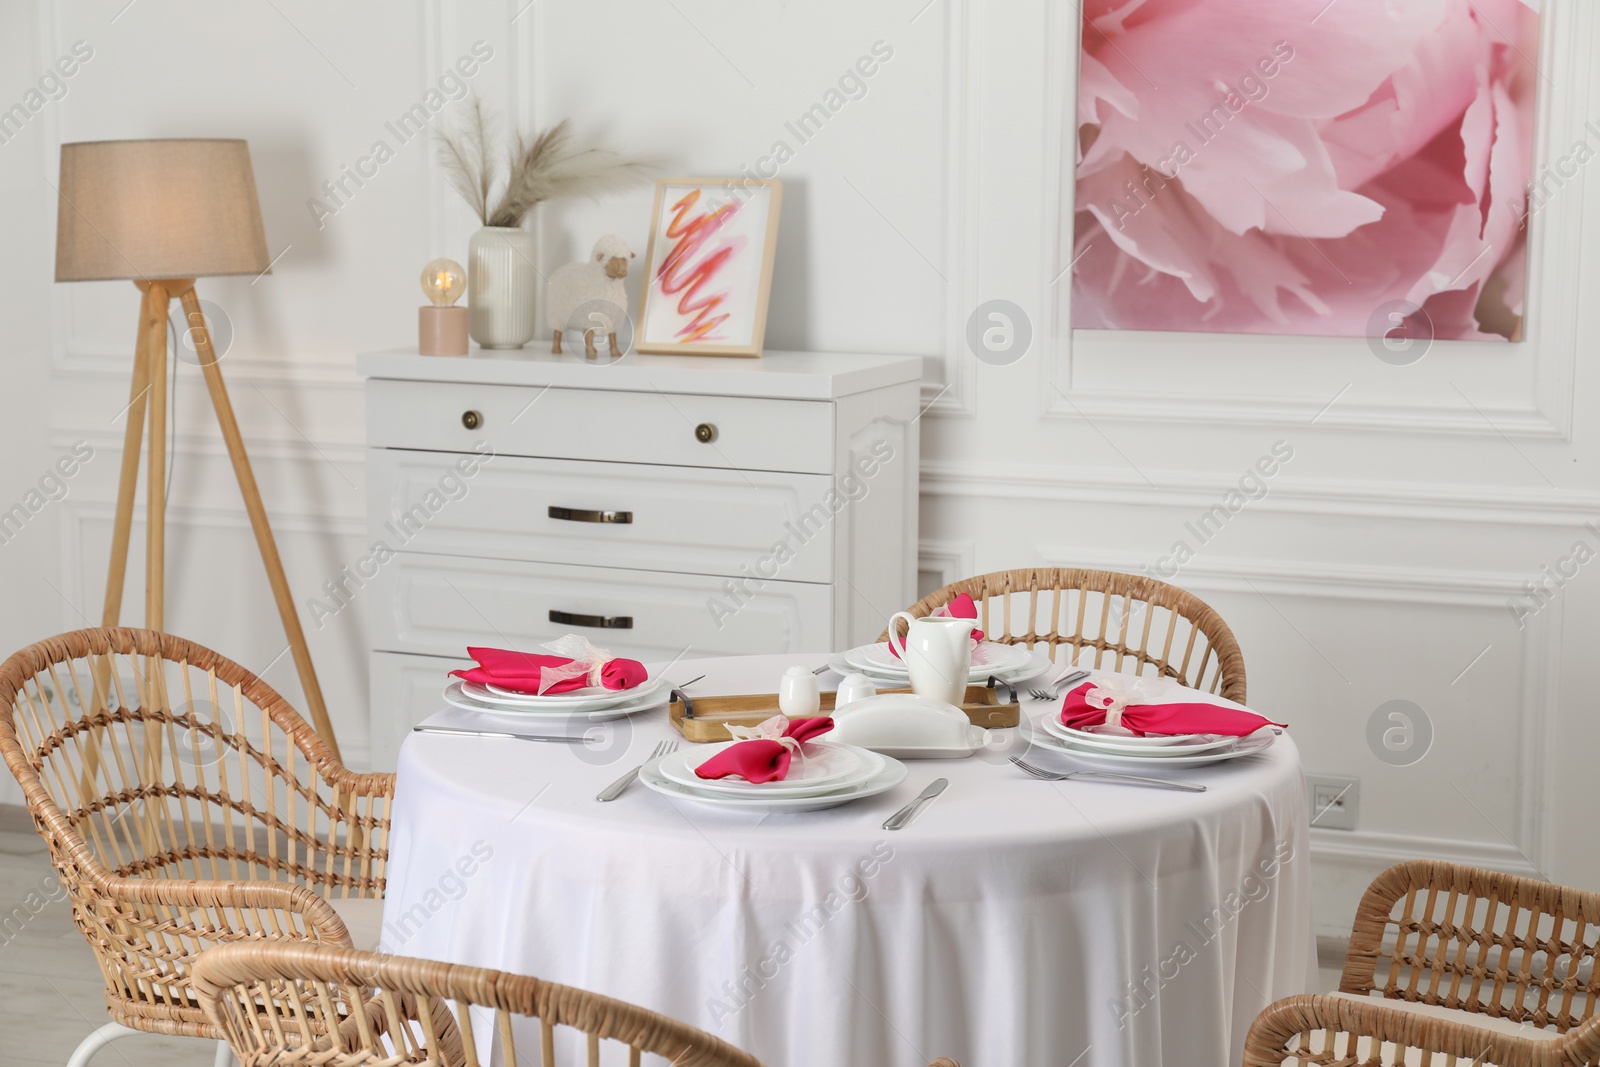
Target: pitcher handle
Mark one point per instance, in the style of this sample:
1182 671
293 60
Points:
900 646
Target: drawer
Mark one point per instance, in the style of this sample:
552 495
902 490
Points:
685 519
751 433
405 690
438 605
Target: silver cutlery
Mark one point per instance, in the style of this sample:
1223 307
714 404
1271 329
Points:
691 681
614 790
564 739
821 670
1062 776
1054 691
903 816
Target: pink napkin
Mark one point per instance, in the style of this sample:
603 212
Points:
520 671
961 607
764 759
1079 710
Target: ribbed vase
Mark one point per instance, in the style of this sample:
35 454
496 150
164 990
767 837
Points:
501 286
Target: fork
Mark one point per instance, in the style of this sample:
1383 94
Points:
1062 776
1054 692
614 790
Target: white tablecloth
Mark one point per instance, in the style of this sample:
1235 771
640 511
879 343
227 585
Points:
1013 923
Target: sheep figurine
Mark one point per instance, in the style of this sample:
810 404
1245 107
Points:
596 284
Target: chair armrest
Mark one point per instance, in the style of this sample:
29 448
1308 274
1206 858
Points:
1326 1030
368 784
220 897
1582 1044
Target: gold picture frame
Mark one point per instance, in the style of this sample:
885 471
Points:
706 289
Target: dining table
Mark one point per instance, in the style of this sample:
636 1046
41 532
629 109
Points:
1012 922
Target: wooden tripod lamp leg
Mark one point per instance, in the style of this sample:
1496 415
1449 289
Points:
121 530
132 436
258 518
155 321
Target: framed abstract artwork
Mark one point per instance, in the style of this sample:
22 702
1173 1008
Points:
708 269
1305 167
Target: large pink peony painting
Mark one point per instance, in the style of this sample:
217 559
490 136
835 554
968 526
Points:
1304 166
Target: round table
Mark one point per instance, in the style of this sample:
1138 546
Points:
1012 923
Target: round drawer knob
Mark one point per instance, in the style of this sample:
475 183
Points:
705 433
471 419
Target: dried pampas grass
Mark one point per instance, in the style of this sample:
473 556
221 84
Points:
546 168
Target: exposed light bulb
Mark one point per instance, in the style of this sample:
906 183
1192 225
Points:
443 282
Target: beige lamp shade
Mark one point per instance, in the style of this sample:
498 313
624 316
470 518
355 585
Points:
158 209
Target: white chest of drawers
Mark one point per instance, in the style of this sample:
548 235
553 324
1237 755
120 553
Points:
663 507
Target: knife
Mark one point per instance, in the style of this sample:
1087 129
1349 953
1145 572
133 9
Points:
903 816
559 739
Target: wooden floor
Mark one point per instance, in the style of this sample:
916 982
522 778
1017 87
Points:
49 985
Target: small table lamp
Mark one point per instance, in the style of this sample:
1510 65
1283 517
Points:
162 213
441 327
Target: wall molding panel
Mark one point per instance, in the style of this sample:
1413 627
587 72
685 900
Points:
1367 498
948 561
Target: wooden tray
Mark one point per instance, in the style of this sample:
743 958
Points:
983 706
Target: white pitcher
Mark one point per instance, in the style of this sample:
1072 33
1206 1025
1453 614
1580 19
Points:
937 652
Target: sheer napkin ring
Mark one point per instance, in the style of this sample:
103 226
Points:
587 661
770 730
1113 693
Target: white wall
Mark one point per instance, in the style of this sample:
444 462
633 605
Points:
1377 568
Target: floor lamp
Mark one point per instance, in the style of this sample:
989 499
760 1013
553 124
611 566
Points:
163 213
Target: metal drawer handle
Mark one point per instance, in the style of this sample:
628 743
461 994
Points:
599 622
472 419
621 518
705 433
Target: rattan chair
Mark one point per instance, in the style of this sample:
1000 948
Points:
1120 622
1451 965
283 1003
185 804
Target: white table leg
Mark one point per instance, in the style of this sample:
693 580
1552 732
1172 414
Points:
224 1055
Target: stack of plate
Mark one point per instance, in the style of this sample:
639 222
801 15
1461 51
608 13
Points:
829 774
1009 663
1113 744
592 704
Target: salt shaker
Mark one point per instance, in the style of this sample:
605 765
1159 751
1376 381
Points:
798 693
853 687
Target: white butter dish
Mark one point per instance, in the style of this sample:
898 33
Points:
906 726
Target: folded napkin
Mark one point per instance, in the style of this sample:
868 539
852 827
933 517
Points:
1132 703
573 664
764 759
961 607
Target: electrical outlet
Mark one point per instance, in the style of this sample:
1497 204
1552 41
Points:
1335 801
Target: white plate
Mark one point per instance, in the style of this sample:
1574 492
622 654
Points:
988 657
832 767
578 700
456 697
1119 735
975 741
893 773
1038 662
1035 733
1177 745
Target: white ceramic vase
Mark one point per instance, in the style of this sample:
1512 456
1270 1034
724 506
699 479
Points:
501 286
